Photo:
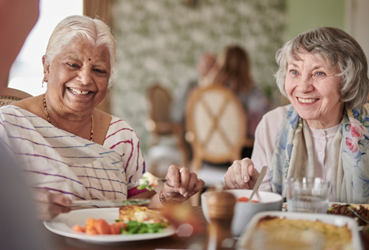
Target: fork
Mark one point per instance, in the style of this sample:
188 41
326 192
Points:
352 209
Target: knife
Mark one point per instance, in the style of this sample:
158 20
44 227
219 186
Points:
109 203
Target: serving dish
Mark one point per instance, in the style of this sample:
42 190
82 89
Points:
329 219
64 223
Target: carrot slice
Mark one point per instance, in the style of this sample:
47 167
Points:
116 227
91 231
78 228
102 227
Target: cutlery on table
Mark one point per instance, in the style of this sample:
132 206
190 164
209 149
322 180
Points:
352 209
109 203
258 182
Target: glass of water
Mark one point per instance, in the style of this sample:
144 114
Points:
307 195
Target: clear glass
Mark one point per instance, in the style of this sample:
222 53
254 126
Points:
307 195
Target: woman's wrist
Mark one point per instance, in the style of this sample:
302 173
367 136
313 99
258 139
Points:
163 200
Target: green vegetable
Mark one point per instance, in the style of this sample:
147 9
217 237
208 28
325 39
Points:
134 227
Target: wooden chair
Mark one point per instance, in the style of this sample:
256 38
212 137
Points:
10 95
160 101
160 124
216 128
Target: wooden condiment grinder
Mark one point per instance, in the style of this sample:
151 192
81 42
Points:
220 209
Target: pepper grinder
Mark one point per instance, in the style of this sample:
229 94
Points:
220 209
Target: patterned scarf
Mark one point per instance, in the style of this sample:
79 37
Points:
294 156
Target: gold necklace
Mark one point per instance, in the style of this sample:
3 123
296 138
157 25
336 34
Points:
48 119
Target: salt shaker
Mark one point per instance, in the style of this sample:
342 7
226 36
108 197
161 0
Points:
220 209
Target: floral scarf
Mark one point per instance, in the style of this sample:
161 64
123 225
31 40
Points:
293 156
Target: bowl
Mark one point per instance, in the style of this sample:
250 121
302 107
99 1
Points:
243 211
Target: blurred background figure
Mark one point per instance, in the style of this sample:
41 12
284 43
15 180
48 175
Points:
233 71
19 228
204 65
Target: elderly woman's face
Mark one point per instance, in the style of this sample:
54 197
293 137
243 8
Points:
313 88
78 77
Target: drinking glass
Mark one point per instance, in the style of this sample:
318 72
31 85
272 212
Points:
307 195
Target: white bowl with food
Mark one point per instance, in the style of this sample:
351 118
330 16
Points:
244 211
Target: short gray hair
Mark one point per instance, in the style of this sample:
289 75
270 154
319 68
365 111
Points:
75 27
339 49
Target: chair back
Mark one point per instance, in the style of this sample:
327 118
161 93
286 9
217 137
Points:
216 125
160 101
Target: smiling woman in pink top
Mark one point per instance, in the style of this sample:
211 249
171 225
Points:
68 149
324 131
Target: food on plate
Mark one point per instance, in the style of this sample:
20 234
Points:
148 181
245 199
132 220
298 233
141 214
100 226
345 209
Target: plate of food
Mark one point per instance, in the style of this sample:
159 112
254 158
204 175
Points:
350 210
283 230
108 225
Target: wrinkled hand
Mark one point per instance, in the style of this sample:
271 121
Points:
181 184
49 205
241 175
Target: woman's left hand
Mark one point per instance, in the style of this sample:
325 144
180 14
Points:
181 184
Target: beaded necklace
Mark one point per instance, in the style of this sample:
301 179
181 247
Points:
48 119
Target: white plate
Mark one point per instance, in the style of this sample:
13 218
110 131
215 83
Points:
64 223
337 220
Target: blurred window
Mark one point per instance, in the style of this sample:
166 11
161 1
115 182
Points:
26 73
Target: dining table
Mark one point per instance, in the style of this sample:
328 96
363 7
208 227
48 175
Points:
195 241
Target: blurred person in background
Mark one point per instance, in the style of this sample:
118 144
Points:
69 149
204 65
324 132
19 228
233 71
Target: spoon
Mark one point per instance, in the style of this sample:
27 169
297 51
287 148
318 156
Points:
258 182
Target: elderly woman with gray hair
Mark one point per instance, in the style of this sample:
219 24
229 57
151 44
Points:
324 131
69 150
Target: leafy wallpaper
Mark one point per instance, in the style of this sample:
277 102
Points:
160 41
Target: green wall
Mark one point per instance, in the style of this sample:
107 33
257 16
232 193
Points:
303 15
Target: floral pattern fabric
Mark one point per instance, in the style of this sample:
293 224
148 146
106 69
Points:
293 155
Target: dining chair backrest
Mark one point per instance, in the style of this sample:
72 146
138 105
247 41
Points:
216 126
164 131
160 101
9 95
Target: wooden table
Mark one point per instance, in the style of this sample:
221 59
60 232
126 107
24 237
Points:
57 242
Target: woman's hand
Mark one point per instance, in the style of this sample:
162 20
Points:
49 205
241 175
181 184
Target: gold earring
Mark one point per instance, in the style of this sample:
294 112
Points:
43 81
